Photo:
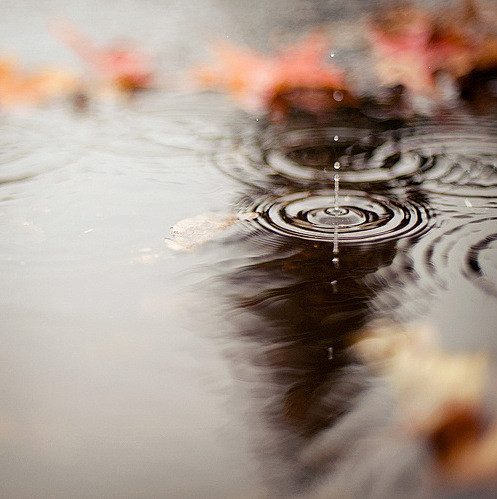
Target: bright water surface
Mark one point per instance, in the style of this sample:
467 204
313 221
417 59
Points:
131 370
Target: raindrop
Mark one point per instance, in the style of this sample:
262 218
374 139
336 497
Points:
336 198
335 245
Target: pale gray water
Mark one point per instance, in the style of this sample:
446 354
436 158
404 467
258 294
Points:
132 370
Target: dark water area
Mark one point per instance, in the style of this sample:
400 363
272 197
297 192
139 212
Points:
130 368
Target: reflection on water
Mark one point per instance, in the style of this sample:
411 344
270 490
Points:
129 369
293 311
416 233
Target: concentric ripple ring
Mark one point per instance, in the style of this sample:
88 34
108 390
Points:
362 218
468 250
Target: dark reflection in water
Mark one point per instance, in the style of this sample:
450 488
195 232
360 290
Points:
306 305
423 210
294 308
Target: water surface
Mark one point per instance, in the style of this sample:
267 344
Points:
132 369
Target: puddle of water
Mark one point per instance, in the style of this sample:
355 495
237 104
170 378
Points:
132 369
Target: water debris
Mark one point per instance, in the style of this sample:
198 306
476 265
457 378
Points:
123 66
440 394
295 77
19 88
190 233
147 258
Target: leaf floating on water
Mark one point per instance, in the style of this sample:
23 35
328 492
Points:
414 44
192 232
20 88
296 76
125 66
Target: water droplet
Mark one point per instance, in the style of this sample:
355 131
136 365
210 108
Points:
336 204
335 260
337 95
334 286
336 165
335 138
330 353
332 54
468 203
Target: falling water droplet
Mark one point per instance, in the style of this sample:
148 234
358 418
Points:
337 165
335 138
334 286
336 208
330 353
335 249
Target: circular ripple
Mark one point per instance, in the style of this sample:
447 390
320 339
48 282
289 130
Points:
362 218
456 157
481 263
32 145
468 250
314 155
310 156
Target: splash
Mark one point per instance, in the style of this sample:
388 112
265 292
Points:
364 218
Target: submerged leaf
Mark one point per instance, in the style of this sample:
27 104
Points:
191 233
441 397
